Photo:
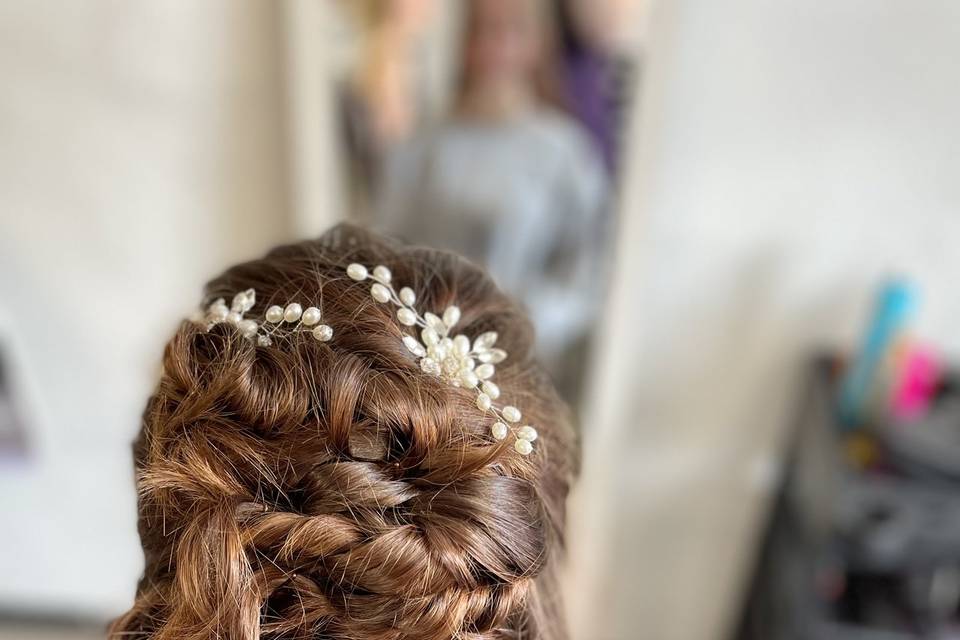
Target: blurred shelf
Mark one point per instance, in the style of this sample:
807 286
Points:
856 554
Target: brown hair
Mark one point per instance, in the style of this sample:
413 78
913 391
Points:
334 491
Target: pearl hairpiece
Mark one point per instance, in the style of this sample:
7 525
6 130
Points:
291 318
452 359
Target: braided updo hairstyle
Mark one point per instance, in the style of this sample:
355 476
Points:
332 490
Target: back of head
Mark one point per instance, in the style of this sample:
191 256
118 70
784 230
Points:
334 490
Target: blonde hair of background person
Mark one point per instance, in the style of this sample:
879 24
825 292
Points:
385 80
385 98
309 489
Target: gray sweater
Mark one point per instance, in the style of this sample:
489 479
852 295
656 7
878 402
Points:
526 198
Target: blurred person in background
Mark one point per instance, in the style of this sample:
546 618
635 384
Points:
510 181
383 101
597 64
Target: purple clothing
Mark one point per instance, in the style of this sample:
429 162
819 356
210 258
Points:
596 92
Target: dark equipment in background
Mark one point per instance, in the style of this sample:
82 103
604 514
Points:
856 553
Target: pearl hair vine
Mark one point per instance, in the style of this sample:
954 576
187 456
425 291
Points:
288 319
455 360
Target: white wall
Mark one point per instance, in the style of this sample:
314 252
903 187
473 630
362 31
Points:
789 154
141 151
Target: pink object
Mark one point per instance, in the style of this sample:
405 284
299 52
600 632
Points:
916 385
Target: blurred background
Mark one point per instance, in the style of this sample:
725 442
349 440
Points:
735 225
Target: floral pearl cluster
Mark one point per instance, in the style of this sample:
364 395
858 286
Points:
455 359
290 318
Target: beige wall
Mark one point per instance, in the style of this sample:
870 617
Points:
141 149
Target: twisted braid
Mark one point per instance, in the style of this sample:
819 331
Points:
333 491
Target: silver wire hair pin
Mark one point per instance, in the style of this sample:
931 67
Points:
456 360
289 319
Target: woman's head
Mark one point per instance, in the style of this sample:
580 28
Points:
507 43
313 489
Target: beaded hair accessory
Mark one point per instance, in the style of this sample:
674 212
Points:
455 360
289 319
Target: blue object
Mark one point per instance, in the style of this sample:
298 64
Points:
895 304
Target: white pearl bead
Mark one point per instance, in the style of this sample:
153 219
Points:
248 328
244 301
264 341
491 389
451 316
499 430
292 312
485 341
274 314
380 293
382 273
429 335
251 299
462 345
512 414
483 402
493 356
469 379
414 346
435 322
311 316
239 301
523 447
406 317
322 332
218 313
234 318
485 371
407 296
357 272
527 433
